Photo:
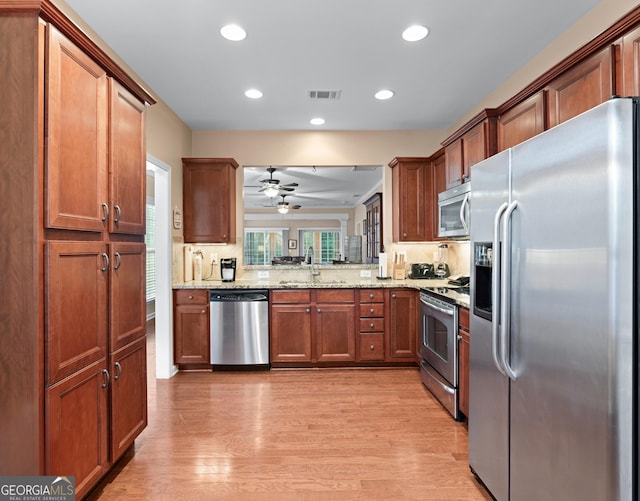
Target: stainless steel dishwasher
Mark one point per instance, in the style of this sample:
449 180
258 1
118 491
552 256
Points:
239 322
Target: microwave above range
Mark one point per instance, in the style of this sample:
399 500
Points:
453 212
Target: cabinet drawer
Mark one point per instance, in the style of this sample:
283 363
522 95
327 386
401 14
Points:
463 318
191 296
295 296
371 295
371 309
335 295
371 347
371 324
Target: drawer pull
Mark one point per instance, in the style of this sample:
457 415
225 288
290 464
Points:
371 325
371 295
308 310
190 298
372 347
371 310
204 311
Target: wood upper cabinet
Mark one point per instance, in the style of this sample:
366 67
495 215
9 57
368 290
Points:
631 63
127 162
77 310
191 338
402 306
521 122
127 295
411 189
76 141
463 364
474 142
209 197
582 87
439 173
128 395
373 232
77 426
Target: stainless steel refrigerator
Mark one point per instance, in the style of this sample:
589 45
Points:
554 301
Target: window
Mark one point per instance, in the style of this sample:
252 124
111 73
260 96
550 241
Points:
150 240
325 243
260 246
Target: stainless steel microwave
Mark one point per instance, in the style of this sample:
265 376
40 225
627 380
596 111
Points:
453 211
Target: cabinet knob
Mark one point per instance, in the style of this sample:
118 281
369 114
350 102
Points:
372 347
318 310
118 371
371 296
190 297
105 208
404 235
107 378
118 213
371 325
459 337
371 310
393 296
308 310
105 258
204 311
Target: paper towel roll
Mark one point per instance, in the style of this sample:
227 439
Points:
188 263
382 265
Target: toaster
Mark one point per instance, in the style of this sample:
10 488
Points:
422 270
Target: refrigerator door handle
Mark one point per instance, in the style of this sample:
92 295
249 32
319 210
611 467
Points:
463 206
495 289
505 303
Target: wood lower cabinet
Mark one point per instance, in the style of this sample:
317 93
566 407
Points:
372 328
191 335
335 332
463 360
77 426
402 308
209 199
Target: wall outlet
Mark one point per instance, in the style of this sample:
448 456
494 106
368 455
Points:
263 274
213 258
365 273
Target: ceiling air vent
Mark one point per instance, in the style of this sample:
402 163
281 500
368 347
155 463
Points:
324 94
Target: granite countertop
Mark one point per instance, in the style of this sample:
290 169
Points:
460 299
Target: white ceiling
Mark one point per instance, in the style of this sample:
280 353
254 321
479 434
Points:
355 46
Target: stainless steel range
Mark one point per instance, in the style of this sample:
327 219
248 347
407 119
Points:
439 348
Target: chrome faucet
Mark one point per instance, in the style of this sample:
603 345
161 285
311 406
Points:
309 259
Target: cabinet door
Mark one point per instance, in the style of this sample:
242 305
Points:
291 333
335 333
582 87
128 395
412 216
439 175
76 306
76 427
631 63
521 122
76 141
191 339
474 149
127 162
127 293
453 163
209 193
403 328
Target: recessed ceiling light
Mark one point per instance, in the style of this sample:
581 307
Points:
317 121
253 94
415 33
233 32
384 94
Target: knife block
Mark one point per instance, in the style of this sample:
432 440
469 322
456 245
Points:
399 272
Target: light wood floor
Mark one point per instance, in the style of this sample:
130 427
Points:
298 435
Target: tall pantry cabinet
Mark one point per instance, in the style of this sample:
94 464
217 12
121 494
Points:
72 256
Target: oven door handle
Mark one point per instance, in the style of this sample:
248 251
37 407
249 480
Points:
495 289
427 371
437 308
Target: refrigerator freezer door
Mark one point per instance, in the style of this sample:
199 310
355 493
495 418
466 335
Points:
488 388
571 315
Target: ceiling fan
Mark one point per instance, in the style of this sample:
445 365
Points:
283 207
272 187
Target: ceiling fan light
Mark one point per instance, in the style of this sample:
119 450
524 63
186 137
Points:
283 208
271 191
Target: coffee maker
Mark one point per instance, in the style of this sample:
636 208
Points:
228 269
